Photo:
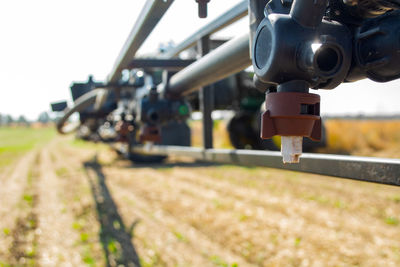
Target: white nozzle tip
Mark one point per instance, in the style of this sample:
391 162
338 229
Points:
291 148
148 146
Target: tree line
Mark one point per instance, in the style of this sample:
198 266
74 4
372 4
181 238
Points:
7 119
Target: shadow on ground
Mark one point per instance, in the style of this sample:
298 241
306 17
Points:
114 235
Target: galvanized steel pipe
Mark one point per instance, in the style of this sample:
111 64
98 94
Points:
377 170
151 14
228 59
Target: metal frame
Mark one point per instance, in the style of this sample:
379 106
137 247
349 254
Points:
229 58
377 170
156 63
206 99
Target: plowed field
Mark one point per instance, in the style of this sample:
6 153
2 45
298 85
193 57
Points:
67 203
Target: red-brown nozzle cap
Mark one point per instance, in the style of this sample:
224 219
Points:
291 114
151 134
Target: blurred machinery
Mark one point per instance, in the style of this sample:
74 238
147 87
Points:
293 46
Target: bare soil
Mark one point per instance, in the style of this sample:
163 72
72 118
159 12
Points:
68 205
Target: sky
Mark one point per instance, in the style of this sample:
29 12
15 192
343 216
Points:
47 44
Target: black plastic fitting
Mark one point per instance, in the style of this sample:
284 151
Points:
202 8
377 50
154 110
302 46
308 13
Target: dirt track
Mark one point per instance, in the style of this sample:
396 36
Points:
73 206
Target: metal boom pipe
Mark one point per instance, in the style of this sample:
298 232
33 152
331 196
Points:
234 14
149 17
229 58
377 170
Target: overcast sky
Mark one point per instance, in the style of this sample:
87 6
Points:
47 44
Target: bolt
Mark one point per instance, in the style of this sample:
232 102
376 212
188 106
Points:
202 8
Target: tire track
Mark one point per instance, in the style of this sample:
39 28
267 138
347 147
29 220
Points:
81 204
56 239
18 219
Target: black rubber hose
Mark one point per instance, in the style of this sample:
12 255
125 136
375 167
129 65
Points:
80 104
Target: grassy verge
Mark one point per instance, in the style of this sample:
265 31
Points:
15 141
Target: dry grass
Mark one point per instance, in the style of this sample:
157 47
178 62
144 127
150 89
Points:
364 137
220 134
